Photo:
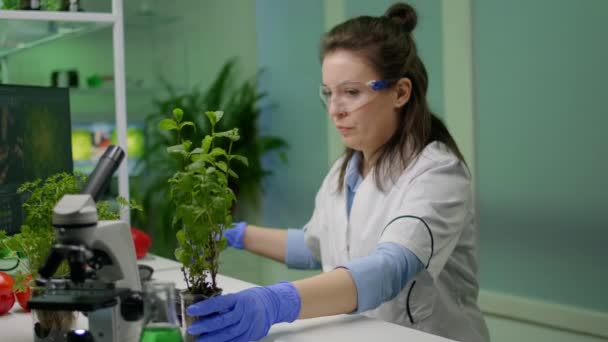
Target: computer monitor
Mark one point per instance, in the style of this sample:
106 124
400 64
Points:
35 142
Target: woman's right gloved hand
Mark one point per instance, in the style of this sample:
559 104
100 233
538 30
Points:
235 234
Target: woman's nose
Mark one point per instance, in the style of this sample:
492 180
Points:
334 109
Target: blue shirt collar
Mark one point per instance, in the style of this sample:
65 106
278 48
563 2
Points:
352 177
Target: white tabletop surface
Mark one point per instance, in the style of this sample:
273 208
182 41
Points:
159 263
16 326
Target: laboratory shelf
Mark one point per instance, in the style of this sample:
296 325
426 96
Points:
58 16
19 35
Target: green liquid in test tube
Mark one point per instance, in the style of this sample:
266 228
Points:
159 313
161 334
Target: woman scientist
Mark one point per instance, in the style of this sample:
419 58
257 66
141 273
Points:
393 225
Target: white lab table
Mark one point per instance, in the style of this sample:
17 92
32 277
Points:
16 326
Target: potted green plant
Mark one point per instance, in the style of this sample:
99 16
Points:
202 200
32 244
239 98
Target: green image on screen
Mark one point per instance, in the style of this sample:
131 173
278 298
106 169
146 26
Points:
35 142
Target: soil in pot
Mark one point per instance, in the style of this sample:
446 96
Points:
188 299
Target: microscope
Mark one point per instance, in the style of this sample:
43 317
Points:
104 281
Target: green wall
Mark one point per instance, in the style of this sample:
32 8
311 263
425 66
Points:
208 33
540 79
288 34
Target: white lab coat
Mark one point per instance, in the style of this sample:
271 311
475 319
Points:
433 192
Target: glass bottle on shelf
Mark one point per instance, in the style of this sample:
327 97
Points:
73 6
159 313
30 5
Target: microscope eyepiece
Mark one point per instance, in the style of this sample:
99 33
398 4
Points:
106 166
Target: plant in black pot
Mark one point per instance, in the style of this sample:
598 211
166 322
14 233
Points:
239 98
202 200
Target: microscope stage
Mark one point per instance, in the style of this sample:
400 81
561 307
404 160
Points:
84 300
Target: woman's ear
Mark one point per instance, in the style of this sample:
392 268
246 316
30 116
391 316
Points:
404 91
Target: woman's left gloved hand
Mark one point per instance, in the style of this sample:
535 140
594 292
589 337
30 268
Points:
246 315
235 234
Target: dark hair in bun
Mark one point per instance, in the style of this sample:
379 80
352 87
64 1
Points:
403 15
387 44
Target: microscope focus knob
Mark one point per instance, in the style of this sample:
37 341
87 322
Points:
132 307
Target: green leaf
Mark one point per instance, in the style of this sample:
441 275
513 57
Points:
230 195
197 150
179 255
206 144
134 205
218 115
218 151
222 244
122 201
224 134
177 150
178 114
233 174
202 156
232 134
181 238
222 166
212 117
186 183
235 136
167 124
20 282
197 166
187 123
187 213
241 159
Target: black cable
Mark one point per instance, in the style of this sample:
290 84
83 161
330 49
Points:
407 303
427 228
409 292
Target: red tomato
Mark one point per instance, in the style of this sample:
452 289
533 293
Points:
7 297
142 242
24 296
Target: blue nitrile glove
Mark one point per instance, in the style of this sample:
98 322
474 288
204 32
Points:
247 315
235 234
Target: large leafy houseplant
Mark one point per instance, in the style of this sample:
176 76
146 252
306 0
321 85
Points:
239 98
202 198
